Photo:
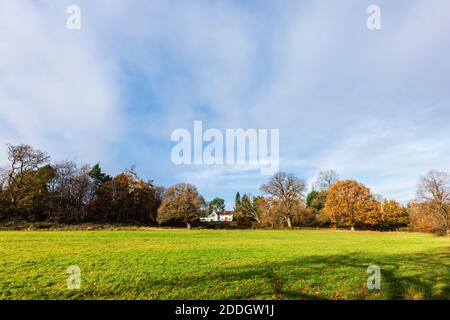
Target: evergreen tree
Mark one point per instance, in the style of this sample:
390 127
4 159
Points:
237 206
98 177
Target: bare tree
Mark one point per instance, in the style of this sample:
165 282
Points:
326 178
23 158
83 187
434 188
72 188
65 172
287 191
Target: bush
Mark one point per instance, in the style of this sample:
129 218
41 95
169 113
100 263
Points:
243 221
305 217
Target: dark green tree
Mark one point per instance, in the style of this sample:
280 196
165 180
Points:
237 204
316 199
217 205
98 177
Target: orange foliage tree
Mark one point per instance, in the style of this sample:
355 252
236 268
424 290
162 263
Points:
182 202
351 204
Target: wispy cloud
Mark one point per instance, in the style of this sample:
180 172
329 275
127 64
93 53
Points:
373 105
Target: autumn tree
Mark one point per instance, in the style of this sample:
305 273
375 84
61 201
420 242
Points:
420 218
285 191
32 204
393 215
351 204
181 202
127 198
23 160
268 214
434 190
63 192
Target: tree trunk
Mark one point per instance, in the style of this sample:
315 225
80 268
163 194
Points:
289 223
448 232
188 225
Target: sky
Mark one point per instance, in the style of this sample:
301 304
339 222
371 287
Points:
374 105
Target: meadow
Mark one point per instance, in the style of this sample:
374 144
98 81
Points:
223 264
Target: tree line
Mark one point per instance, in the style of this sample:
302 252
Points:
34 189
348 204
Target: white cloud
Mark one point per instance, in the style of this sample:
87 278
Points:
387 160
57 92
372 105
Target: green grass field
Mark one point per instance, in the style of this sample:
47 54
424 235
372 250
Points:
223 264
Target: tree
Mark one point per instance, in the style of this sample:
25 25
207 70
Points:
60 187
434 189
33 200
268 214
181 202
23 158
237 203
285 191
316 199
393 215
420 218
217 205
249 208
351 204
64 192
72 192
326 178
314 214
98 177
127 198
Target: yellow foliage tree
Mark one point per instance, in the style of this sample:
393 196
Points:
393 215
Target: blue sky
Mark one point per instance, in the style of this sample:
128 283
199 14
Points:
373 105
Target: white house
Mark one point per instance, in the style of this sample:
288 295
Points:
224 216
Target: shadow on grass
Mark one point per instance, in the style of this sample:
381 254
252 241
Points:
423 275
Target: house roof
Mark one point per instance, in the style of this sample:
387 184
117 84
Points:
226 213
